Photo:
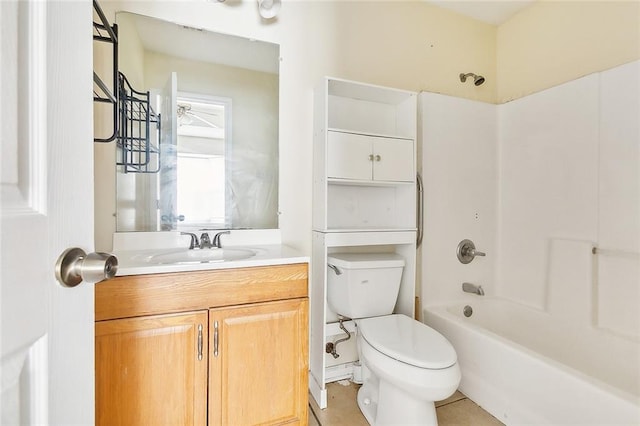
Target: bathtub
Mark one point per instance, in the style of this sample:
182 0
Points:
526 367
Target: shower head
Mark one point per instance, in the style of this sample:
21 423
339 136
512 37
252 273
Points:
477 79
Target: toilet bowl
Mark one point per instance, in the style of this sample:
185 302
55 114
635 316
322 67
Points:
408 366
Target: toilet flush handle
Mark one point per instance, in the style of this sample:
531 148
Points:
335 269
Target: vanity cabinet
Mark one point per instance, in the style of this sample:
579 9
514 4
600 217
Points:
219 347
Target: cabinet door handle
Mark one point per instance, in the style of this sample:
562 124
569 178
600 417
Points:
199 342
370 157
378 158
215 339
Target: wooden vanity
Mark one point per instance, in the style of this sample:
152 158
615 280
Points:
216 347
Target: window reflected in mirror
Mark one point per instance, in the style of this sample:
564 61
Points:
201 151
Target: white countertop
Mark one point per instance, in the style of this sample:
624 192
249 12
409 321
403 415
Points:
136 262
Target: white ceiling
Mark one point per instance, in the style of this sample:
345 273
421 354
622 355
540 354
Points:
492 12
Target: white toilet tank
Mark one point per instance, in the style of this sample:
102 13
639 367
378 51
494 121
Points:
365 284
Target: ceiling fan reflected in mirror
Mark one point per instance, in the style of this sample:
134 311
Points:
203 119
188 116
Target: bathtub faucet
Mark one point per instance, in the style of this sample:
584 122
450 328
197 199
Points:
472 288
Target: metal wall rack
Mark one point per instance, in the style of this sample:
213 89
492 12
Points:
138 152
133 116
106 33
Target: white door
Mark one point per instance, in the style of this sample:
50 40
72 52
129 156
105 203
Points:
46 351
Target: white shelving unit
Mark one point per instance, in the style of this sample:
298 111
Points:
364 200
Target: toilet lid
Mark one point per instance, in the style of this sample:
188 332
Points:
409 341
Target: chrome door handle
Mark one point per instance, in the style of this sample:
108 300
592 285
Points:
74 266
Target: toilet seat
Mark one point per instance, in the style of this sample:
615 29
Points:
408 341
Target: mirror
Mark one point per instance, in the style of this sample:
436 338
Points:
213 157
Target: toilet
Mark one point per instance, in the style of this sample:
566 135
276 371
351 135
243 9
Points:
406 365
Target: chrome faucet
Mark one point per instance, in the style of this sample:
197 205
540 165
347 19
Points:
472 288
205 241
194 240
216 238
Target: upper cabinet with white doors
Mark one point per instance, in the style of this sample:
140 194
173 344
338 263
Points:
368 158
364 157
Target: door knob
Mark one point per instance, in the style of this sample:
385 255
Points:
74 266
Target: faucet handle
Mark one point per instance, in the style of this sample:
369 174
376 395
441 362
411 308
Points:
466 251
194 240
216 238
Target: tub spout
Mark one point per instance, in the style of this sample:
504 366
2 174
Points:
472 288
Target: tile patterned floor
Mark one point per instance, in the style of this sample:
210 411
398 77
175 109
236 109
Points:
342 410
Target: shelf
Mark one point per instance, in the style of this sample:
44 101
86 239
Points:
361 237
139 128
367 92
357 182
364 198
341 230
364 133
370 110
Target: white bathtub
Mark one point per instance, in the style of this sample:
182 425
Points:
527 367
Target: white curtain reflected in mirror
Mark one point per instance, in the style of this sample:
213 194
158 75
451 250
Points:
202 148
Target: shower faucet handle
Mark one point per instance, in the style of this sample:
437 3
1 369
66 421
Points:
474 252
467 251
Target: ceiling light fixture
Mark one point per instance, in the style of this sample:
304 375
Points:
268 9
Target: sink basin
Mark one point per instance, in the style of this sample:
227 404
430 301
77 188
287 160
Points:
200 256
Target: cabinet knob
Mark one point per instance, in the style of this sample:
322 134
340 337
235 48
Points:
370 157
378 158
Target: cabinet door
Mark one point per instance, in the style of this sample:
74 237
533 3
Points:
259 373
349 156
152 370
393 160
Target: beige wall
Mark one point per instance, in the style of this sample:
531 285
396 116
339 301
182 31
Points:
553 42
410 45
406 44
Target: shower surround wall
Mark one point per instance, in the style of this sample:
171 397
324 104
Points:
567 180
459 170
